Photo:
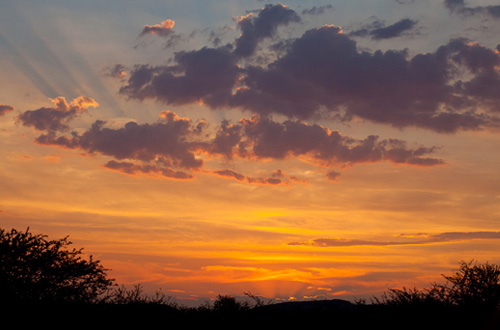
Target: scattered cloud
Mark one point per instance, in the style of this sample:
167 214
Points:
4 109
276 178
419 239
394 30
117 71
377 30
163 29
317 10
56 118
320 73
451 89
172 147
461 8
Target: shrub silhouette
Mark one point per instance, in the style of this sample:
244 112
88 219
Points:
475 285
34 269
472 286
228 304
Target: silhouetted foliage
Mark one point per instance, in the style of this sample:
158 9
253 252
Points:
136 295
34 269
472 286
475 285
228 304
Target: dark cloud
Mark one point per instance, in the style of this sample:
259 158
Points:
207 75
133 168
317 10
230 174
56 118
394 30
378 30
277 178
461 8
4 109
168 142
255 28
408 240
173 143
324 73
260 137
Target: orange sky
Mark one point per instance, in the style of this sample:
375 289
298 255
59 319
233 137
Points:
302 204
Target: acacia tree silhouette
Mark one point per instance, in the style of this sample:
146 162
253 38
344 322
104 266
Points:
34 269
472 286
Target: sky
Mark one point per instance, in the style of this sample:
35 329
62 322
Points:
296 150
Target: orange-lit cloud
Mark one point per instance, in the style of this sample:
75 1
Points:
162 29
56 118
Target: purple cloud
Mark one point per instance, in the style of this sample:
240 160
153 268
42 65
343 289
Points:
4 109
255 28
377 30
56 118
324 72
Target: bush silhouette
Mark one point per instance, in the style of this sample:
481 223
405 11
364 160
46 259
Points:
34 269
472 286
475 285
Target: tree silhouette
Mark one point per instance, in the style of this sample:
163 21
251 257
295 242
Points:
34 269
473 285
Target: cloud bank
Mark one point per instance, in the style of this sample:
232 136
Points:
174 147
324 73
320 74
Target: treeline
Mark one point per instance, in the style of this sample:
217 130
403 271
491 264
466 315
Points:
47 279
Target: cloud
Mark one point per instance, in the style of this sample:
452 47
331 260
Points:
117 71
167 141
255 28
317 10
377 30
394 30
332 175
276 178
57 117
207 75
133 169
252 180
460 7
323 72
173 147
4 109
266 139
420 239
163 29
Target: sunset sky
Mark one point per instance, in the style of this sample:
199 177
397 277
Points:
304 149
